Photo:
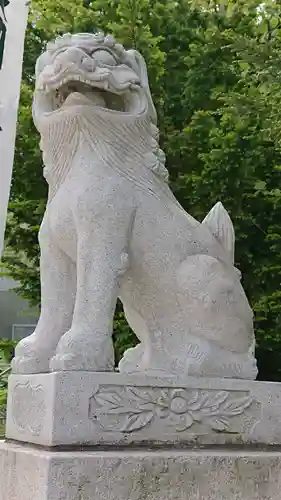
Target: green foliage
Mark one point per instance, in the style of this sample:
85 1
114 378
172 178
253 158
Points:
123 337
215 74
6 352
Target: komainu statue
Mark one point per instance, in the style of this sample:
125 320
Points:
112 228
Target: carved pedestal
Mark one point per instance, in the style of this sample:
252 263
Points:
109 436
78 408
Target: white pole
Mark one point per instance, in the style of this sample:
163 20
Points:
10 80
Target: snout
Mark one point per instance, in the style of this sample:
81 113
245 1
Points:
71 57
73 61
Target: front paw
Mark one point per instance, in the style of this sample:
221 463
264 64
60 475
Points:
81 351
31 356
29 365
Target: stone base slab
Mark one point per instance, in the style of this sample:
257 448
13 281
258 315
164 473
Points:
32 474
76 408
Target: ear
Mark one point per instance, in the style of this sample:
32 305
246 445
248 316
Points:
220 224
42 61
138 64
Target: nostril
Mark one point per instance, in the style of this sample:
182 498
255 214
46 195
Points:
88 63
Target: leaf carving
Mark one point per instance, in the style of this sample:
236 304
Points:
135 422
219 424
236 407
193 399
110 399
197 405
139 394
215 400
122 410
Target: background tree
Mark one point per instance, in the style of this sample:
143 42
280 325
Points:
214 70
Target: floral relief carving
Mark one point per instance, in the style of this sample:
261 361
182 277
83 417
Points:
134 408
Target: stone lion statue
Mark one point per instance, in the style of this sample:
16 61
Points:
112 228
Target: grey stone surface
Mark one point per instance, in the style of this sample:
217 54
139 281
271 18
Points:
113 229
65 408
28 474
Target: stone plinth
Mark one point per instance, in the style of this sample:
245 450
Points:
118 437
86 408
30 474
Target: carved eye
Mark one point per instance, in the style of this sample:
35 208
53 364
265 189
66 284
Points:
103 57
60 51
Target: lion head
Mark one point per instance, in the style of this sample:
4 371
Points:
87 76
90 70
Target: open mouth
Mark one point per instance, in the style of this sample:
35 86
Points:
103 88
77 92
74 91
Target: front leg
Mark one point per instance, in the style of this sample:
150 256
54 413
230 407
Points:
103 237
58 288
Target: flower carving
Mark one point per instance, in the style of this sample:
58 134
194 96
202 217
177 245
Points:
134 408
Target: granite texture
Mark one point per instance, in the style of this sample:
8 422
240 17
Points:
72 408
113 228
28 474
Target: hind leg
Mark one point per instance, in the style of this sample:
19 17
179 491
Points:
150 356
